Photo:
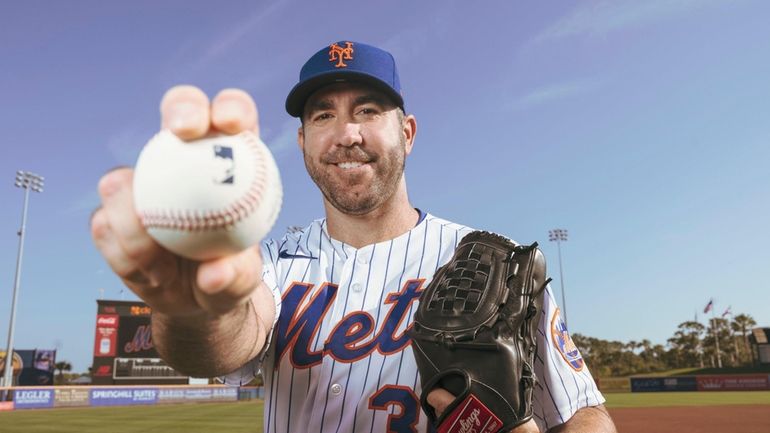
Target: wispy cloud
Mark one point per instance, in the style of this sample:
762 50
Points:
195 56
125 145
550 93
83 205
410 42
228 40
282 139
599 17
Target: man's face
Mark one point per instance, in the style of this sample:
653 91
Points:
354 142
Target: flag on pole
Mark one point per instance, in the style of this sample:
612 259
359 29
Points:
727 312
709 306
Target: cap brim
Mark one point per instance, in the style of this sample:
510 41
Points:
295 102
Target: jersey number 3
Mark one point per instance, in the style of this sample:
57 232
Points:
405 421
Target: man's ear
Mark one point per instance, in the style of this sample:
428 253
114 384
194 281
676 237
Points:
409 129
301 138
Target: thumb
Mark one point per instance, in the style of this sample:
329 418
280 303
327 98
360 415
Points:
225 283
439 399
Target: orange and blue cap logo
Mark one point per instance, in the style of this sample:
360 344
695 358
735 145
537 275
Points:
564 344
339 54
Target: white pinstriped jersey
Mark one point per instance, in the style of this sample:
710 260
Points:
339 360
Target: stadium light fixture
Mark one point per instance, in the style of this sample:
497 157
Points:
559 236
27 181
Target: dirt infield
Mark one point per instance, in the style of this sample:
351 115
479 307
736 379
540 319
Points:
693 419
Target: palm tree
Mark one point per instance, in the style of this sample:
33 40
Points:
687 345
61 367
742 323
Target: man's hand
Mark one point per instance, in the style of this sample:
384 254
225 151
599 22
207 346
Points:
170 284
187 295
439 399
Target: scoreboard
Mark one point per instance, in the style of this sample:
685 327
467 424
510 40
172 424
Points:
123 349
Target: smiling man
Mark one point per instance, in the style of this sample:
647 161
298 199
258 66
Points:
324 311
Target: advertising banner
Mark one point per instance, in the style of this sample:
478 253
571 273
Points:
659 384
646 384
228 393
45 360
106 334
614 384
251 392
16 362
123 396
744 382
102 370
171 395
197 394
33 398
70 397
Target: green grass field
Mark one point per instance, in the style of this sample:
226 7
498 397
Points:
247 416
650 399
183 418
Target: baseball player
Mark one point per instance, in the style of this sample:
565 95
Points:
323 312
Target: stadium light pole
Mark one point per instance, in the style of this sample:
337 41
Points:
29 182
560 235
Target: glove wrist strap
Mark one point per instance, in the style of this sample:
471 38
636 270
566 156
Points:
470 416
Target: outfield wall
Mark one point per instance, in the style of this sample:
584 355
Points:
19 398
705 382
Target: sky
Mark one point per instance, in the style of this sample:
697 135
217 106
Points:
640 127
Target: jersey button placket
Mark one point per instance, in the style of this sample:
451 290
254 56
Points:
362 263
336 389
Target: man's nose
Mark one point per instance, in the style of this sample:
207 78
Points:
350 134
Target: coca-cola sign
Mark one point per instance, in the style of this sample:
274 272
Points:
106 334
107 320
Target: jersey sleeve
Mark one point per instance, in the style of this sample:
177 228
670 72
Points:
564 382
270 263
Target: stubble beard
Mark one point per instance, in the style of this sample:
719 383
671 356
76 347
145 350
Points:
388 171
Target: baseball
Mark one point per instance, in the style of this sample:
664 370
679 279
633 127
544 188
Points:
207 198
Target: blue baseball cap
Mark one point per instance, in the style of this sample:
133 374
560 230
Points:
345 61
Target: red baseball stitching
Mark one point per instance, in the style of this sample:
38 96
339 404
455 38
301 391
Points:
189 220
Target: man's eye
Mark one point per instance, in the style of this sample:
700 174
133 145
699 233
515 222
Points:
322 116
367 110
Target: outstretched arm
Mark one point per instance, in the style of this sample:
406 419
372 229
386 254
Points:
210 317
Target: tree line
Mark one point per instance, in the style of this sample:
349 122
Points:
693 345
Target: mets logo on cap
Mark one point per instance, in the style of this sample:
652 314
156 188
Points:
339 54
564 344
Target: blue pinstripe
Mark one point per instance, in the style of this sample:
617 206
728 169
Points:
294 370
548 389
334 362
350 366
400 283
376 321
411 307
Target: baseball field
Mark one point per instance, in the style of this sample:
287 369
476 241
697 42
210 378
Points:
692 412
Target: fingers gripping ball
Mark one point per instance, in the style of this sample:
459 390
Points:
207 198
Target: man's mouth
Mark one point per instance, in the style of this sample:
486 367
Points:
349 165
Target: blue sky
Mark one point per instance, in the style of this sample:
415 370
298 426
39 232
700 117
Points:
641 127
